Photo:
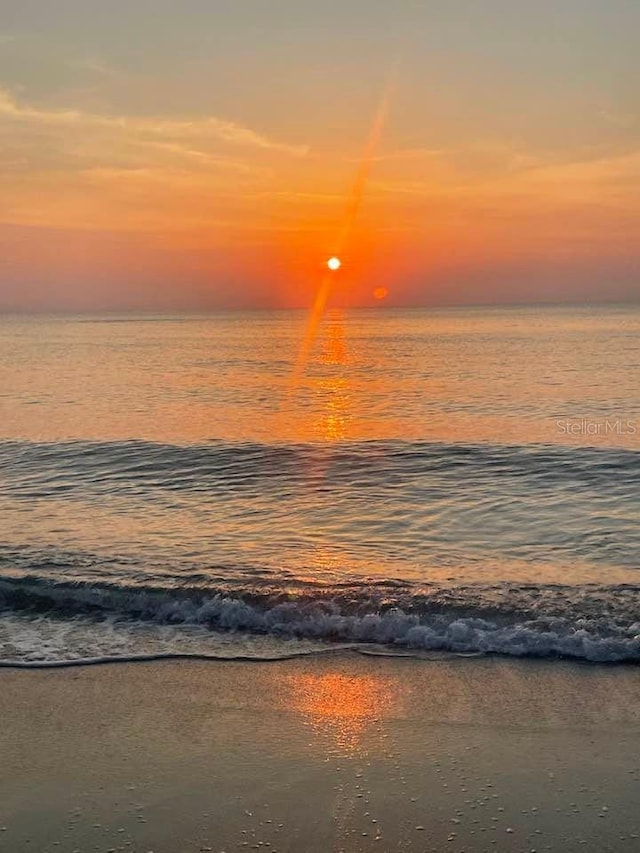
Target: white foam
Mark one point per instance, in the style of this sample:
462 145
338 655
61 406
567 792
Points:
49 641
226 627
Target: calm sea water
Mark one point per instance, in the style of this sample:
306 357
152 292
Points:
460 481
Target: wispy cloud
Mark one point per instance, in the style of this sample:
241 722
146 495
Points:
99 68
84 169
595 177
202 128
620 119
401 154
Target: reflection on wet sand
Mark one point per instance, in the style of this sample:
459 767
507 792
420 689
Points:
341 708
347 710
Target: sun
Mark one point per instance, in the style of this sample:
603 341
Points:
334 264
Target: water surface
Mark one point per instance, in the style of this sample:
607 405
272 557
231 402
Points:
455 480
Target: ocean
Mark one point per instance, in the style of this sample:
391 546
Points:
433 482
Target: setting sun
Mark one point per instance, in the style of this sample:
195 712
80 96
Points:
334 264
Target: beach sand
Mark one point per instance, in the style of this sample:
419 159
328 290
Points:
337 752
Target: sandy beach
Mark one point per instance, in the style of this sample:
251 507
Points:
340 752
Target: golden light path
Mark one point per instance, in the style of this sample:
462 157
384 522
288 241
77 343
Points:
354 204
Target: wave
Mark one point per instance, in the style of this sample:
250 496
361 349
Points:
593 623
37 469
418 502
202 518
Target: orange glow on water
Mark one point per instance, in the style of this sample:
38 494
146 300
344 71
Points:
334 392
350 391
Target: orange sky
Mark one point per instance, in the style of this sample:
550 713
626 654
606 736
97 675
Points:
205 156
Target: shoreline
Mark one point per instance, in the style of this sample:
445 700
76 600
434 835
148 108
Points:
341 752
374 651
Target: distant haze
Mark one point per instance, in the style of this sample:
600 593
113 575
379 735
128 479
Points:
157 155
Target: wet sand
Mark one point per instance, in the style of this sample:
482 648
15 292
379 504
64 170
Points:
330 753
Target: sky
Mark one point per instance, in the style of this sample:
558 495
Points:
200 154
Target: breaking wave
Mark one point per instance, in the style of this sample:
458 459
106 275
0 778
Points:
596 623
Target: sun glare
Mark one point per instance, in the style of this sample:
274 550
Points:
334 264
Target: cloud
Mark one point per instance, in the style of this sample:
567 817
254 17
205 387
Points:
620 171
99 68
82 169
599 179
618 119
86 169
204 129
401 154
582 208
